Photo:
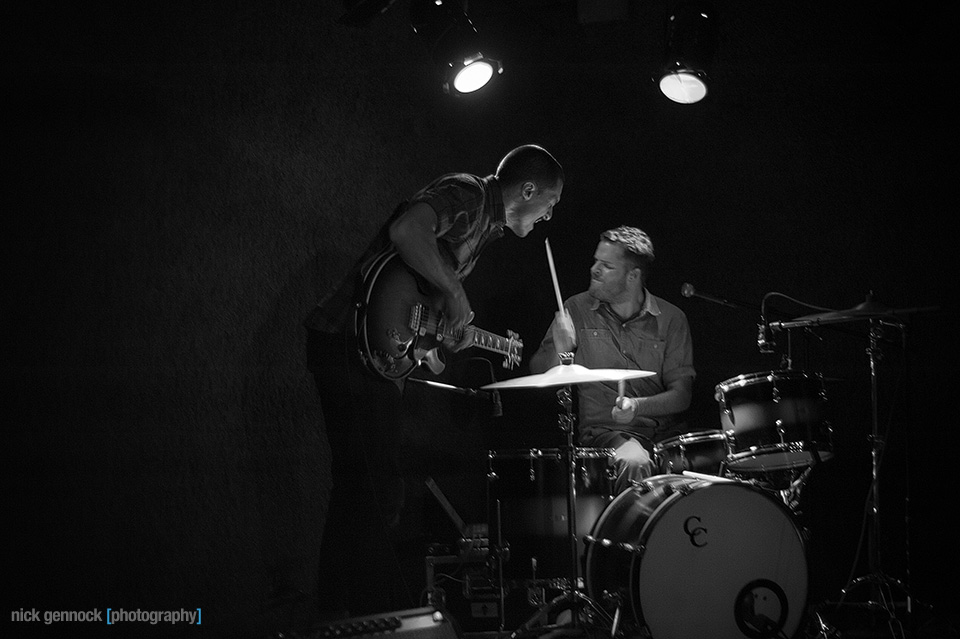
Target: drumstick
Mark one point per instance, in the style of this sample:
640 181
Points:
553 274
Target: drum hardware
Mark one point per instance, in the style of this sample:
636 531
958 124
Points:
878 316
564 376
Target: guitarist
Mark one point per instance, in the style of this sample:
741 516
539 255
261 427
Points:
439 233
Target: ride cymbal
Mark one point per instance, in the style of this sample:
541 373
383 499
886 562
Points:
564 374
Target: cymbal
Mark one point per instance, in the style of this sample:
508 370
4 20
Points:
865 310
868 309
564 374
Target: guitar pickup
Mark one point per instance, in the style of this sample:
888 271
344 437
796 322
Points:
416 320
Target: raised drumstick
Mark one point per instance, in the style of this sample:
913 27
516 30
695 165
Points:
553 274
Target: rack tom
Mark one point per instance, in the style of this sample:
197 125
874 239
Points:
700 452
774 420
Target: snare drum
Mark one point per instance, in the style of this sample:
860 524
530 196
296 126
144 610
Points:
700 452
774 420
688 558
527 502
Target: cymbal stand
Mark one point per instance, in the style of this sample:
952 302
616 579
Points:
566 421
876 579
572 596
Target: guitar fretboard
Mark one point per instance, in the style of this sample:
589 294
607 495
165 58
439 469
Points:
490 341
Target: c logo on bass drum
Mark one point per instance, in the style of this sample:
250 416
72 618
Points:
694 532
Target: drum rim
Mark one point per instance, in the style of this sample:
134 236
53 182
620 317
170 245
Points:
581 452
758 452
693 437
645 487
747 379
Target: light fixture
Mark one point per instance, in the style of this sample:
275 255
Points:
454 45
691 44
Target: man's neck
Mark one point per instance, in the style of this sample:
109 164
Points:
629 308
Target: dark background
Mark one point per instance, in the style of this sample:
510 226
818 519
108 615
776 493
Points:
182 181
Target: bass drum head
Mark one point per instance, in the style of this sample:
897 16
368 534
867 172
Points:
713 560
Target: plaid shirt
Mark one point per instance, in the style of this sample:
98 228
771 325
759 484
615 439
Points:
470 215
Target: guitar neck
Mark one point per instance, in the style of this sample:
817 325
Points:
489 341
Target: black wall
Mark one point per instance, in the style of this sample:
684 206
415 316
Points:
182 182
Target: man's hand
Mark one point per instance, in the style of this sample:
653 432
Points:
625 409
458 316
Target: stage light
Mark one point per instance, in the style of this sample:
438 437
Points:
454 45
691 44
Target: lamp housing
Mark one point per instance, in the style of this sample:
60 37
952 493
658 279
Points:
691 44
454 45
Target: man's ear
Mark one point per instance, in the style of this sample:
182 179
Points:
528 190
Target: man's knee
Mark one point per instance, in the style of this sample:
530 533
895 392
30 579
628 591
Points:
634 464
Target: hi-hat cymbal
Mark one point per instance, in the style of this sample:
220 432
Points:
564 374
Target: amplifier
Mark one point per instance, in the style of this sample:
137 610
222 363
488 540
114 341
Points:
414 623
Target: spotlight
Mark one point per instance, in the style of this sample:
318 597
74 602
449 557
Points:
691 43
454 45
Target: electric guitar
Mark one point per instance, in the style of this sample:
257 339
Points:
399 323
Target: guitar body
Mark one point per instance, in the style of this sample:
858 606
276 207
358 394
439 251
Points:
387 342
399 323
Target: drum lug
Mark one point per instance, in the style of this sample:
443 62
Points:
535 453
609 543
491 474
683 490
642 486
731 441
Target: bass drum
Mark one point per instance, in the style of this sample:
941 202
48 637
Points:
691 558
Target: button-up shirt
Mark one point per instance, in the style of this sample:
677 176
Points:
656 339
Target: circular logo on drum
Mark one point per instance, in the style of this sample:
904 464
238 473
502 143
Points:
761 609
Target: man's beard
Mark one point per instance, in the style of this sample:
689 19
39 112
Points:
598 292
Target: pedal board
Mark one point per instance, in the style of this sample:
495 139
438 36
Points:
470 593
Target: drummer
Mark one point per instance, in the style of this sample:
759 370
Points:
618 323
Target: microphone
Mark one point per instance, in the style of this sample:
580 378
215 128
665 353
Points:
688 290
765 340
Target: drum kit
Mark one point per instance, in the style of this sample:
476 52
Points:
708 548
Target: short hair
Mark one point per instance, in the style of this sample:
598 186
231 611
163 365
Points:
637 246
529 162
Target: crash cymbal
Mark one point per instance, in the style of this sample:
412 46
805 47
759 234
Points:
868 309
865 310
564 374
